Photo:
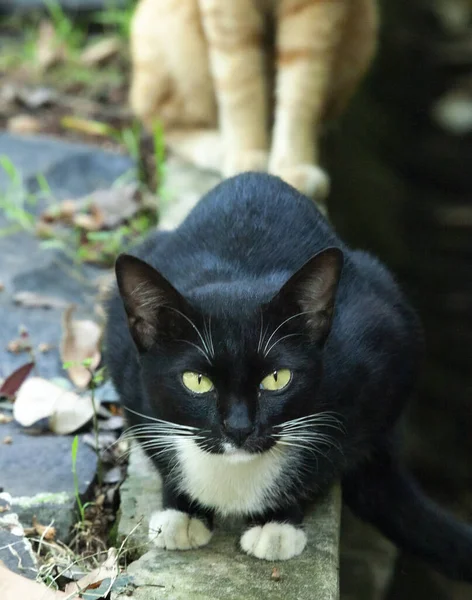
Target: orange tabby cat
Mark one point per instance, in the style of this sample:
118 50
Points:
207 63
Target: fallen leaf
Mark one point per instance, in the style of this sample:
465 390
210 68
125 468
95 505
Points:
101 52
44 348
39 399
64 211
8 440
19 345
93 221
46 532
87 126
80 342
24 124
34 300
49 51
13 382
16 587
4 419
115 204
35 98
91 581
275 575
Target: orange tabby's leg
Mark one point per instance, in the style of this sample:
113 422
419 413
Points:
170 69
354 55
308 34
234 30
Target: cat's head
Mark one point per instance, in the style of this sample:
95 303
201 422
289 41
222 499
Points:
238 376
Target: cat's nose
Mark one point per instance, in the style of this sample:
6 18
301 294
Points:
237 433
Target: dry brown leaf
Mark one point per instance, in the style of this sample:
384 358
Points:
39 399
34 300
80 342
17 587
115 204
44 347
4 419
46 532
24 124
93 221
49 51
101 52
13 382
108 570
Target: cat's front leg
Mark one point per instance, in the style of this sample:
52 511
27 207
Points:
235 34
276 535
308 35
181 524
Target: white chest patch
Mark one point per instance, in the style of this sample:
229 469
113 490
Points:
228 485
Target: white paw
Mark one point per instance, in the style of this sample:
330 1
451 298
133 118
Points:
176 530
274 541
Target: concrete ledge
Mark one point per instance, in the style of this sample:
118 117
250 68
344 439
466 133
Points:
221 571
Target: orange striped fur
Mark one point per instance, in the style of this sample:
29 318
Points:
205 63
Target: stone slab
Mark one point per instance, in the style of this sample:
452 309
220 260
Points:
15 549
221 571
37 473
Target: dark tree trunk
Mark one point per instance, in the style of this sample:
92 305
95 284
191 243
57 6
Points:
401 164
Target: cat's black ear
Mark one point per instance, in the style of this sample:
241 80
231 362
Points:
145 292
313 288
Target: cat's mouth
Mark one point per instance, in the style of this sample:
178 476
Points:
235 454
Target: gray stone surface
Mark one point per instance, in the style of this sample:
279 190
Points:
37 472
15 549
71 170
221 571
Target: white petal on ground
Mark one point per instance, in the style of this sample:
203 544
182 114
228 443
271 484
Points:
39 399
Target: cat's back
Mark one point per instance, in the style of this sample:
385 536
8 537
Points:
253 223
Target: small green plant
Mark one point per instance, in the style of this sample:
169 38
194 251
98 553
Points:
80 505
96 378
116 18
66 30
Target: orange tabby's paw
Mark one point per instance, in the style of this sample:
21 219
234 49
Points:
307 179
249 160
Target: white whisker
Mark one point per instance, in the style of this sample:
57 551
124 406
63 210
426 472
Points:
153 419
202 340
279 340
281 325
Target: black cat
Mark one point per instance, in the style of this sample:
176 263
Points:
261 360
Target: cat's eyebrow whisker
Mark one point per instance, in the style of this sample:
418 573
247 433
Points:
207 358
279 340
281 325
206 350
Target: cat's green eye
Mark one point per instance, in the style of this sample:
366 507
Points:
197 383
276 381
